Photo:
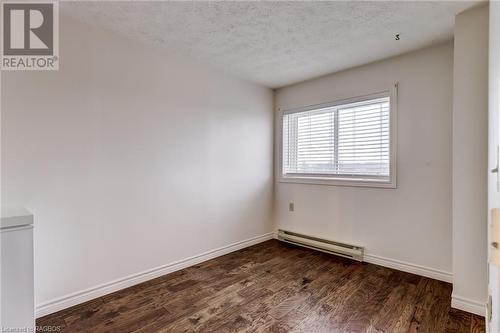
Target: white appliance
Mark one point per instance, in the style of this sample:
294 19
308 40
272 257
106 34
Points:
16 270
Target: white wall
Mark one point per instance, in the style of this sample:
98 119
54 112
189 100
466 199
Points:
130 159
410 224
470 144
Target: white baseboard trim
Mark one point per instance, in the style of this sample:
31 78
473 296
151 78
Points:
468 305
79 297
409 267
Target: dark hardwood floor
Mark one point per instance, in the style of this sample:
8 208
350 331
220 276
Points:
274 287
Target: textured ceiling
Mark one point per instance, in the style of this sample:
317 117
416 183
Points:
277 43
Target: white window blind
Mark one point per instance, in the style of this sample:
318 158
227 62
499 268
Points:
342 141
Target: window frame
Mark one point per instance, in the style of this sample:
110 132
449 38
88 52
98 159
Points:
353 181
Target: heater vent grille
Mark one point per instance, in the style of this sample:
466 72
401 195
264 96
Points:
340 249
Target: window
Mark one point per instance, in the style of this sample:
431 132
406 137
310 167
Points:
345 143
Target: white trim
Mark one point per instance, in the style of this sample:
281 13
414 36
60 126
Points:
391 183
468 305
67 301
337 181
350 100
409 267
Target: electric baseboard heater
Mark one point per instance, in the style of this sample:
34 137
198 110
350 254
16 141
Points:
324 245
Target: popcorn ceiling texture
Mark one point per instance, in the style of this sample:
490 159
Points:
277 43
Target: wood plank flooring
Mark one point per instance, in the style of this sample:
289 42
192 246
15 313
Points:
274 287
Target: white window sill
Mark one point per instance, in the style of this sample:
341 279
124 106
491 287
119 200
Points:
352 182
